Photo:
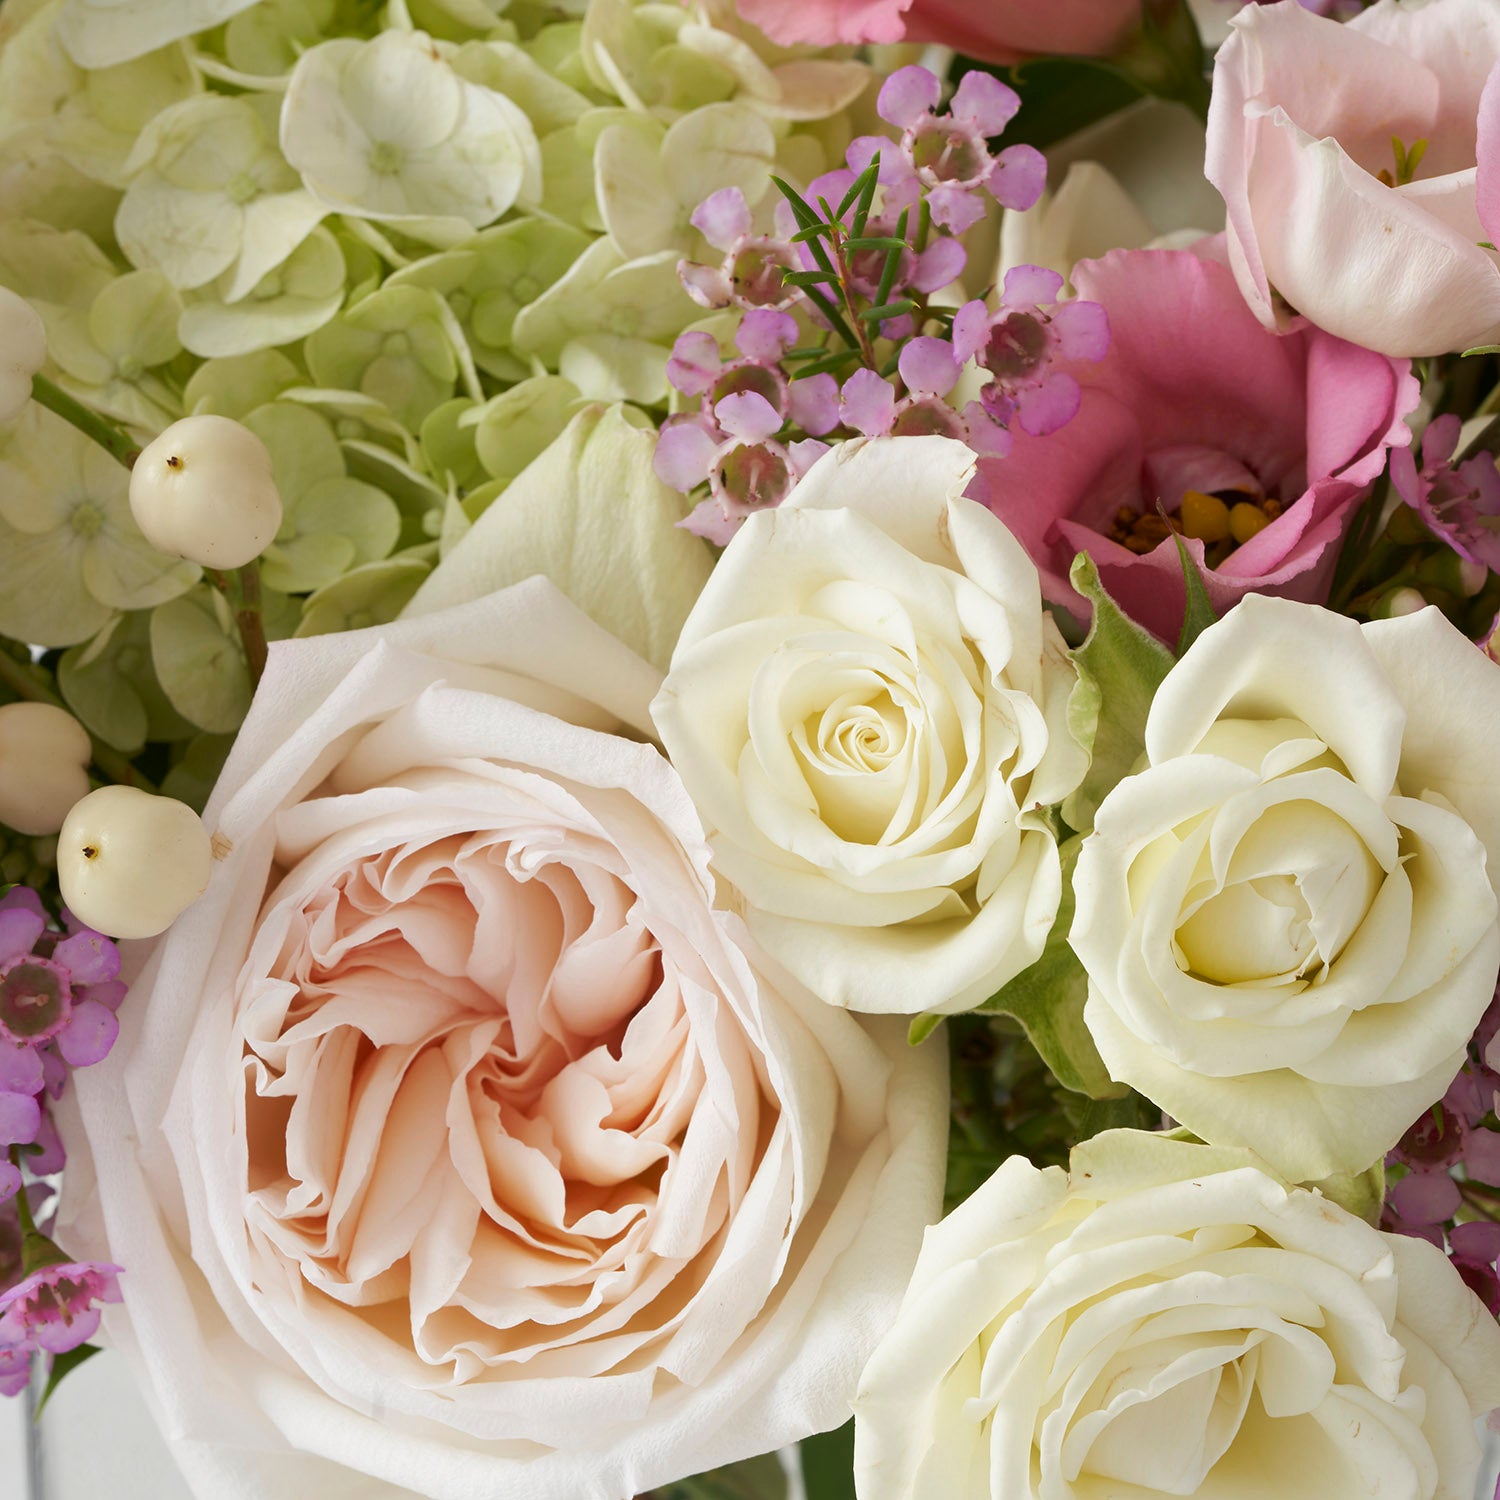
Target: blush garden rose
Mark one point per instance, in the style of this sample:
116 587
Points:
1170 1319
867 705
460 1145
1286 915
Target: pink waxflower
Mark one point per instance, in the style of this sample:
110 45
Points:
1024 346
750 275
1194 396
929 371
995 30
697 368
737 451
54 988
56 1308
1460 504
945 156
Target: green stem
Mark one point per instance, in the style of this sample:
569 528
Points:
243 596
114 765
114 440
23 1208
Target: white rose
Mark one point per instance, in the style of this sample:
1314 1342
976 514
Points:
1285 916
1171 1320
867 705
454 1144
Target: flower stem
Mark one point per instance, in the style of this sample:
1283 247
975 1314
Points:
243 595
114 440
115 766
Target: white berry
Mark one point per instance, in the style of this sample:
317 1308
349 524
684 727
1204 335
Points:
205 490
130 864
23 352
44 759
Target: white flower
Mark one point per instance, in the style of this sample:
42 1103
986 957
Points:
483 1160
1170 1320
386 129
1285 915
867 706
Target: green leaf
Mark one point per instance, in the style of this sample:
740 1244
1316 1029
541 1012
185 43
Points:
828 1464
1363 1196
199 661
755 1479
1200 613
921 1028
1048 998
62 1366
1120 666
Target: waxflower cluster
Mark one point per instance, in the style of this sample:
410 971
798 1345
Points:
873 355
59 991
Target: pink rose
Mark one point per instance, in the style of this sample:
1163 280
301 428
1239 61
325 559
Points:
1327 218
996 30
1194 395
456 1138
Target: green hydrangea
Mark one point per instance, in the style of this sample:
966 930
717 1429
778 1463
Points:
409 244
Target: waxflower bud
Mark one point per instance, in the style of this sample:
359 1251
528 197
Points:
23 352
130 863
44 758
205 490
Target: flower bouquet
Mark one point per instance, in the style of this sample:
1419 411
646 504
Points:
751 749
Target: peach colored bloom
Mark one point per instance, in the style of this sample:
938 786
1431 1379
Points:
484 1156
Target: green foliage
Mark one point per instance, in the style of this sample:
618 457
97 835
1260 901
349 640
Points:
828 1464
1120 666
1048 998
62 1366
1200 613
755 1479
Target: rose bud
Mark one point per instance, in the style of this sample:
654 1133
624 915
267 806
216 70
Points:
44 758
130 863
23 351
205 490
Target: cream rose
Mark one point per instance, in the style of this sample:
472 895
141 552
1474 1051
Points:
867 706
1285 916
455 1143
1171 1320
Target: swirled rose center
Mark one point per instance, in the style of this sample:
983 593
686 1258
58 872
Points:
471 1072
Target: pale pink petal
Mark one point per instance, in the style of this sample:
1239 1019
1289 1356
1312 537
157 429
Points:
869 404
765 334
1081 330
722 218
940 264
971 330
928 367
1043 409
1487 180
908 96
982 101
1018 177
684 455
1030 286
813 404
695 363
748 416
827 23
956 209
